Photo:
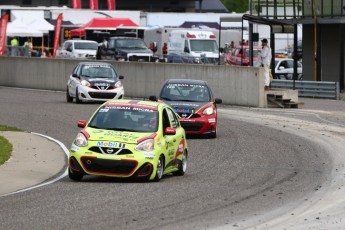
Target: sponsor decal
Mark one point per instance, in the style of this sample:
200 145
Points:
212 120
178 110
149 155
74 148
112 144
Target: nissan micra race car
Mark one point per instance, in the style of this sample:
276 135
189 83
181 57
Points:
129 139
194 104
94 81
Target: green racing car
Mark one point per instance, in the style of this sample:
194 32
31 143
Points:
129 139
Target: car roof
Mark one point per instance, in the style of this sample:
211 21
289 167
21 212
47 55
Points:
186 81
81 40
94 63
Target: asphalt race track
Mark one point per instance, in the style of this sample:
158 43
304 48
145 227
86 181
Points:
267 169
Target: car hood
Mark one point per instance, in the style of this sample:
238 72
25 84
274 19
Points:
186 106
136 51
111 137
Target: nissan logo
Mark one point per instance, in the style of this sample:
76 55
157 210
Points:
184 115
110 151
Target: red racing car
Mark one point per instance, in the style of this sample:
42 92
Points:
194 103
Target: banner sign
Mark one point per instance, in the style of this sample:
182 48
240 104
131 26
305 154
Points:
3 28
111 4
57 34
93 4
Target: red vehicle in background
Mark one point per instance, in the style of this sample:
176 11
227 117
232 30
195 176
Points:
238 57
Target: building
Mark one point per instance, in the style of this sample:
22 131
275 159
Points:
323 29
138 5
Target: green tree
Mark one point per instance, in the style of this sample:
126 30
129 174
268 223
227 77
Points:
238 6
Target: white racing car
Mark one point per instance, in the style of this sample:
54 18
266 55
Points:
94 81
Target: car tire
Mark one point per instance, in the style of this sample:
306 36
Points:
75 176
159 170
68 97
77 100
182 165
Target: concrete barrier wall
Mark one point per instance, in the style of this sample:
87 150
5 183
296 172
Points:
242 86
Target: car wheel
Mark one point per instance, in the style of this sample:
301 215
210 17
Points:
75 176
77 100
68 97
160 169
182 165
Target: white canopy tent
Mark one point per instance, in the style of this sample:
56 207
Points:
19 29
42 26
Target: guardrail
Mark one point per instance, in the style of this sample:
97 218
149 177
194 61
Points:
314 89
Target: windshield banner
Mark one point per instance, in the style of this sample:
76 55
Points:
3 27
57 33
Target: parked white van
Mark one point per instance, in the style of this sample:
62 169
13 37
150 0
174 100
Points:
192 46
78 49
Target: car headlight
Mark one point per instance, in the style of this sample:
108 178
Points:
118 84
145 146
85 83
80 140
208 111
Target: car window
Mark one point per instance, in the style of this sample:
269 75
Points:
125 118
86 45
173 118
165 119
185 92
290 63
98 71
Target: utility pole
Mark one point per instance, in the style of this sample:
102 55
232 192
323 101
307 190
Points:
315 41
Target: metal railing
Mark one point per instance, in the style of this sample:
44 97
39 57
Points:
314 89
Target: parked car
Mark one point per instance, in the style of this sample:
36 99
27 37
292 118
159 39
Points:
238 57
78 49
129 139
194 104
284 69
94 81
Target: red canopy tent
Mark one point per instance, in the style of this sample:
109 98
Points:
98 23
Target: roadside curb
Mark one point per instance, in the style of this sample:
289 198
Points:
36 160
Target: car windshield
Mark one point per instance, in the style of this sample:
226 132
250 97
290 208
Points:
185 92
86 46
203 46
98 71
126 118
128 44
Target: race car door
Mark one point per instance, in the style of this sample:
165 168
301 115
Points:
175 143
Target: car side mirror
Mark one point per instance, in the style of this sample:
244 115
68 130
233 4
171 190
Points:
82 123
218 101
186 50
152 98
221 50
169 131
121 77
281 67
75 75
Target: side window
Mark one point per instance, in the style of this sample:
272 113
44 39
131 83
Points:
166 122
173 118
290 64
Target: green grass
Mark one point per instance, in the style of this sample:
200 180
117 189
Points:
5 146
8 128
5 150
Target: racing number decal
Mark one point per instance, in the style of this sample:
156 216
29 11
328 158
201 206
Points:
180 148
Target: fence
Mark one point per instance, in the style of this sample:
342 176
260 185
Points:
314 89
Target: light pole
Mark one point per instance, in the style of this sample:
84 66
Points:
315 40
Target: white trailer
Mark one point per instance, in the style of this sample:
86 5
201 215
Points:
193 46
